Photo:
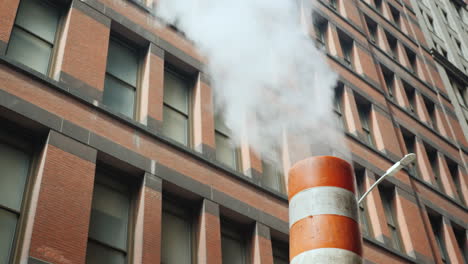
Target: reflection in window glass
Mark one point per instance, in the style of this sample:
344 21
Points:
33 35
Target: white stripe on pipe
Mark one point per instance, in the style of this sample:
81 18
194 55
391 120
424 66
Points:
327 256
322 200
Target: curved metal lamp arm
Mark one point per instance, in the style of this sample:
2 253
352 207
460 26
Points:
405 161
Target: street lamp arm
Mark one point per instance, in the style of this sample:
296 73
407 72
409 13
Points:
405 161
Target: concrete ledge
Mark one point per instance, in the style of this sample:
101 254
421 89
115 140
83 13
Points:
32 260
157 51
262 230
153 182
92 13
119 152
72 146
80 86
210 207
29 110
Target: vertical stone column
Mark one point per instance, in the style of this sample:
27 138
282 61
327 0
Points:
81 54
63 206
453 250
152 208
7 19
261 245
209 234
155 88
203 117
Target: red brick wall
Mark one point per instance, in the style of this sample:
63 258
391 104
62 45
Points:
85 54
60 231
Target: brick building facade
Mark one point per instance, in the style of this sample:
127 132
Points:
108 164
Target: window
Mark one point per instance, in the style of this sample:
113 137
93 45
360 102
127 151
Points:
389 78
410 144
34 34
320 27
459 46
280 252
372 27
347 44
360 173
15 160
176 107
436 225
393 44
378 5
430 23
226 151
334 4
233 244
364 109
338 104
434 162
453 169
411 95
430 106
460 236
396 15
412 60
387 193
110 220
444 15
273 175
444 52
120 85
177 234
460 91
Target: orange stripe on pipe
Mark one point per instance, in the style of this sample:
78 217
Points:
325 231
320 171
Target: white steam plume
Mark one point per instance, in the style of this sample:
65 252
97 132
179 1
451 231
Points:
266 74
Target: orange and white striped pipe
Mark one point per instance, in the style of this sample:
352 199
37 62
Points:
323 214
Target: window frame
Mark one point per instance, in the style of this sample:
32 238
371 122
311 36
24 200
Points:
174 205
388 196
117 176
61 10
18 138
278 175
360 174
122 41
190 83
235 149
436 224
236 232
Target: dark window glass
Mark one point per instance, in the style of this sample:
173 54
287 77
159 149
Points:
364 109
454 173
338 104
121 77
360 174
387 194
33 36
176 234
226 151
14 170
434 162
280 252
460 236
436 224
347 45
176 108
372 27
109 224
233 244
